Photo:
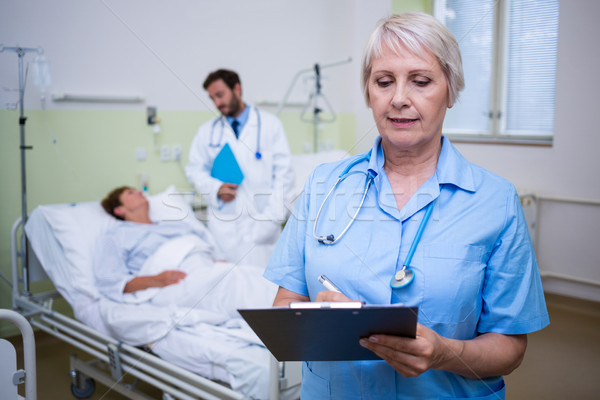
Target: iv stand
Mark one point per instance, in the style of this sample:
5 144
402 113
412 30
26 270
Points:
21 52
316 110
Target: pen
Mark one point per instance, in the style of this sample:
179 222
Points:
328 284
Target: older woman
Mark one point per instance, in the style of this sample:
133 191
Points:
433 231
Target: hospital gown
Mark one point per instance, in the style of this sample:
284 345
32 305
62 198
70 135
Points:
194 323
123 250
475 270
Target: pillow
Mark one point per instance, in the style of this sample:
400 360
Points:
77 227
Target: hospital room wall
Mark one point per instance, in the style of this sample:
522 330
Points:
81 150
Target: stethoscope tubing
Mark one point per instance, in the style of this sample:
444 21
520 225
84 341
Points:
331 239
222 120
417 239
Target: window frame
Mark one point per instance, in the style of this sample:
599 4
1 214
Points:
497 132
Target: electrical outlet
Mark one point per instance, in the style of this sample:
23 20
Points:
176 150
140 154
165 153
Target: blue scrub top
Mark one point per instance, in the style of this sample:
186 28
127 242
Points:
475 269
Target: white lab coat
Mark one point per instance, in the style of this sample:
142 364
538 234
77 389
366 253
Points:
246 228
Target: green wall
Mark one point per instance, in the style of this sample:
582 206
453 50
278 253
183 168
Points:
79 155
400 6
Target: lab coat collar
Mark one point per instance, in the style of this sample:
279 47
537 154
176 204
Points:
242 118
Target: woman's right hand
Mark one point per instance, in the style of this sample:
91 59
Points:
331 296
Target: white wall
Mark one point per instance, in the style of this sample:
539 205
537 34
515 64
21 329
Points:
569 168
163 51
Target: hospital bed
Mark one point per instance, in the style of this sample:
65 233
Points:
60 242
182 357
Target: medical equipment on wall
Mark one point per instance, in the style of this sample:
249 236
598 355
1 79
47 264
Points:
403 276
314 100
41 77
222 120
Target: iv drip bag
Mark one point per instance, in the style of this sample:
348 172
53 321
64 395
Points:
41 71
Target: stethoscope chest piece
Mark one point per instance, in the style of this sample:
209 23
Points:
402 278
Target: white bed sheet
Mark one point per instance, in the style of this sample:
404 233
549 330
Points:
63 238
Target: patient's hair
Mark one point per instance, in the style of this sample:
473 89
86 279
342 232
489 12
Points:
112 201
229 77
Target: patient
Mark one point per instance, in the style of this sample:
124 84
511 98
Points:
118 259
138 256
169 271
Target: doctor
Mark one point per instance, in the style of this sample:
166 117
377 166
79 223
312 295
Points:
432 230
246 218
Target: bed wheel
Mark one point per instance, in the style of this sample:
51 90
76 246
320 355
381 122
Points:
89 385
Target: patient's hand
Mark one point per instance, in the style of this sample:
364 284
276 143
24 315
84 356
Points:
169 277
165 278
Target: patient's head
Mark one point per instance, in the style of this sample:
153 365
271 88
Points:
127 204
113 200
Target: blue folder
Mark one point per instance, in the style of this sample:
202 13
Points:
226 168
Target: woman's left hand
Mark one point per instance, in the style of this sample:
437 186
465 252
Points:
488 354
411 357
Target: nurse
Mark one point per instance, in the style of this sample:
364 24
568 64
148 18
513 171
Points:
245 219
474 274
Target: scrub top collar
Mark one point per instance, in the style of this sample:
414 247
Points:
452 169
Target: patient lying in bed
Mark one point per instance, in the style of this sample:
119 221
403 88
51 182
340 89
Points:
170 263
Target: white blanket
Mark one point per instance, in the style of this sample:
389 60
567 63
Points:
210 294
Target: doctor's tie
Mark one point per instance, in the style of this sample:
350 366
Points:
235 126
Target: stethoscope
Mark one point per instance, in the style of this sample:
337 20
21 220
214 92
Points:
258 154
403 276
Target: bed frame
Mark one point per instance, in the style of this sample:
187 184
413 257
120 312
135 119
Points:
114 361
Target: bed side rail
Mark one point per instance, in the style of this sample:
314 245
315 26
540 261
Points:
171 379
29 374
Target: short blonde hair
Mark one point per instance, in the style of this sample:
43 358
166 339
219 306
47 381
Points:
419 33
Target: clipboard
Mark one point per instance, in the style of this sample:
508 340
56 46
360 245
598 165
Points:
328 331
226 168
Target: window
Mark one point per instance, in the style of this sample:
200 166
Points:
508 50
